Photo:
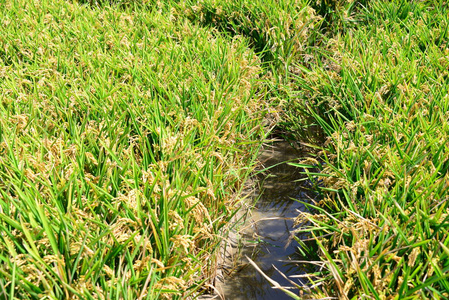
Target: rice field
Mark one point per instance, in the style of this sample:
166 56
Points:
125 136
377 88
128 128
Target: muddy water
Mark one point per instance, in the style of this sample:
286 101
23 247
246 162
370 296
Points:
266 234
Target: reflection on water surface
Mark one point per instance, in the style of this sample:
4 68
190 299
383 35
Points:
266 235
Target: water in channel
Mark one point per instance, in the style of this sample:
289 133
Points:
266 235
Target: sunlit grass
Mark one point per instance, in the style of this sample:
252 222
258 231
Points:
125 135
379 92
126 132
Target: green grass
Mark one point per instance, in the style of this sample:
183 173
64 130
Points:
125 135
378 90
127 130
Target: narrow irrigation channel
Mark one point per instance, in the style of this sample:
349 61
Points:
266 236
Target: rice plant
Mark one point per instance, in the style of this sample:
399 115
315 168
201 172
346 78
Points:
125 135
379 92
128 127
